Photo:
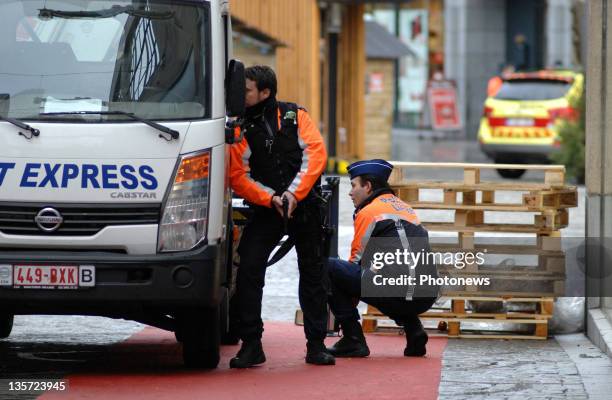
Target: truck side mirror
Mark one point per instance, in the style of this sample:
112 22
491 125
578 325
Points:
235 89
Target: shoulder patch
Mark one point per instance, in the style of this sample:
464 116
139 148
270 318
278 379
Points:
290 115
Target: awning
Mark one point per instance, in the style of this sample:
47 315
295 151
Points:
380 43
242 27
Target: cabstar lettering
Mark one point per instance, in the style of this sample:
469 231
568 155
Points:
133 195
86 176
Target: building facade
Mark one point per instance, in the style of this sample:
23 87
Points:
482 36
321 59
471 41
598 260
321 64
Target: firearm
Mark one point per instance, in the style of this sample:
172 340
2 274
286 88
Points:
285 214
329 213
330 204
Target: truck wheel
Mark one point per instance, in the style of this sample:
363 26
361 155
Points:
199 332
511 173
228 328
6 325
227 325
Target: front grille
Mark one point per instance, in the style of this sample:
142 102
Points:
79 220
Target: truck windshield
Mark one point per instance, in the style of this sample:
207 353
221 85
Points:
148 58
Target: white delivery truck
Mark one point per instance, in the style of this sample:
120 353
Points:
114 197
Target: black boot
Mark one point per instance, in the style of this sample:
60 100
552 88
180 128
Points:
416 339
317 354
250 354
352 343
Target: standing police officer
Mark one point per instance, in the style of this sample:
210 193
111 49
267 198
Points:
379 214
281 157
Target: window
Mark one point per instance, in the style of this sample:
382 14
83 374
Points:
532 89
149 58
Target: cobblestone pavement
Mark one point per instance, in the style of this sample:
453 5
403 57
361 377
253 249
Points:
594 366
45 347
500 369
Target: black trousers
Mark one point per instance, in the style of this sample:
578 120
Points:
261 234
346 289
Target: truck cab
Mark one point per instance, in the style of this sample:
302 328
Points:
114 188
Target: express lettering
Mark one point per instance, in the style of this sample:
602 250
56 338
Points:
89 176
4 167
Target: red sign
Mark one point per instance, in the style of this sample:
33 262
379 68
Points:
376 82
443 109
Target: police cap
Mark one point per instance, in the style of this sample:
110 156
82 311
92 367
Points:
377 167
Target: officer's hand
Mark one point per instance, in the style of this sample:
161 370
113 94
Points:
277 202
292 203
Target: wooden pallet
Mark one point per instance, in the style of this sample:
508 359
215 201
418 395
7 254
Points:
541 273
532 199
500 248
554 175
470 199
524 270
451 322
506 283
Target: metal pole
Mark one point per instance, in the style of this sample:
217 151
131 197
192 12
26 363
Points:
333 92
334 213
334 26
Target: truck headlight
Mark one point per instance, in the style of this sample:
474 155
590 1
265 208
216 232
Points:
184 220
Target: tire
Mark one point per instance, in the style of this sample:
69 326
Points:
226 334
6 325
511 173
227 327
199 332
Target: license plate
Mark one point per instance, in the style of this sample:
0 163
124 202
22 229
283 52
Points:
49 276
519 122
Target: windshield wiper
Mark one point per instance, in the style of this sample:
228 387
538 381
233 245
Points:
22 125
46 13
171 132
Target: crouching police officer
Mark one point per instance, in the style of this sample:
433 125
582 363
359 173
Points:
281 157
379 214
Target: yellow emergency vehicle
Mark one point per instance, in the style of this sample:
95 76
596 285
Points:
520 122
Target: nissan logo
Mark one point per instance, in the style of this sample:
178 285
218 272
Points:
48 219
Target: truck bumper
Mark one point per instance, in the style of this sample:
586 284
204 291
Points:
124 284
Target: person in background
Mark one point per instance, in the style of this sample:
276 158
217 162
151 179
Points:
497 81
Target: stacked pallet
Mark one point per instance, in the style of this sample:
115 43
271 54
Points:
459 320
525 262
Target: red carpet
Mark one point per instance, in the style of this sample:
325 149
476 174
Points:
148 366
